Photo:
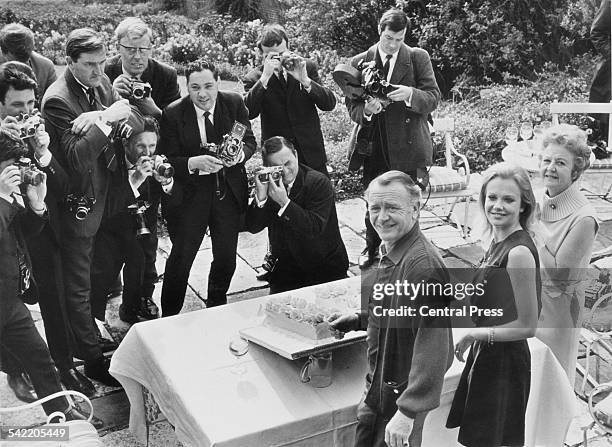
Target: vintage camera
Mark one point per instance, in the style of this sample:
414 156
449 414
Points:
122 130
289 60
28 123
30 175
80 205
373 80
267 173
162 167
140 90
137 210
231 147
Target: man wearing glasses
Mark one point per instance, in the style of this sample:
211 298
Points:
133 71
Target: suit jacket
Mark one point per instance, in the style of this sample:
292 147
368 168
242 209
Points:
180 140
162 77
306 238
81 156
409 142
44 71
16 223
291 112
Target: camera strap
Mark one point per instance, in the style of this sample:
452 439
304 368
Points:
220 184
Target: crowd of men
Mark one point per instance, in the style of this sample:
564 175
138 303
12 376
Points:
116 140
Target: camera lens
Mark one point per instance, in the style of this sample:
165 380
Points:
263 178
81 213
165 170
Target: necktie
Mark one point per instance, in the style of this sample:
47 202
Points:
211 135
91 97
387 66
281 79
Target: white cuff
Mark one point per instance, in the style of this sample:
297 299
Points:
44 161
105 128
6 197
262 203
282 210
167 188
134 185
367 117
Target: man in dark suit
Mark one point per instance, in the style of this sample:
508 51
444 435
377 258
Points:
287 100
82 113
401 139
133 63
17 44
17 95
23 213
136 184
600 86
214 193
300 214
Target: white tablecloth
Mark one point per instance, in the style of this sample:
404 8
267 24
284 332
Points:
185 363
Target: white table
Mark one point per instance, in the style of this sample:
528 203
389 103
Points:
184 362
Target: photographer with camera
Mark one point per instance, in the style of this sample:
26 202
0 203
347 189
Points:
396 124
199 134
130 223
23 213
83 115
297 205
148 84
17 99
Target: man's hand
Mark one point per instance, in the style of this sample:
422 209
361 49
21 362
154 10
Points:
401 93
278 193
36 195
84 121
142 169
10 124
123 85
271 64
261 189
398 430
10 179
40 141
205 163
118 111
342 323
299 72
372 106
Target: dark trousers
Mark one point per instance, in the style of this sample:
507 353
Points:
46 262
77 254
20 339
186 230
149 277
371 428
113 251
600 93
283 279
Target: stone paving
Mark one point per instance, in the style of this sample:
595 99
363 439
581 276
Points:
112 405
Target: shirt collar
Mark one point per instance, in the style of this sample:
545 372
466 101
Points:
383 55
83 86
125 72
200 113
401 246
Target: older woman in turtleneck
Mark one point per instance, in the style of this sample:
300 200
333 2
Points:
569 226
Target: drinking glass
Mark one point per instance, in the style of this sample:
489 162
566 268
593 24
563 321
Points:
512 134
238 346
526 131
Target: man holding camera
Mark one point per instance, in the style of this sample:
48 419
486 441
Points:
148 84
83 115
299 210
129 221
17 99
397 123
210 178
23 213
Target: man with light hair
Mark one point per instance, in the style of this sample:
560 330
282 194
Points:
17 44
407 356
134 66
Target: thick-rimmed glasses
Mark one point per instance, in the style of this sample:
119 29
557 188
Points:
133 50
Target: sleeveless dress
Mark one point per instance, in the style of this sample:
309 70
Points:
491 398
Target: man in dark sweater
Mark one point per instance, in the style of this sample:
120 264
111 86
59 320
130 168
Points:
407 356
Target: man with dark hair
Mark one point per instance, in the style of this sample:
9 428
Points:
300 214
214 192
17 44
407 356
17 96
398 127
23 213
136 187
133 65
82 114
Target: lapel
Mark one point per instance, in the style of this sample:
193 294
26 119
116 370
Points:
191 131
76 89
403 67
222 117
296 189
147 75
292 84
